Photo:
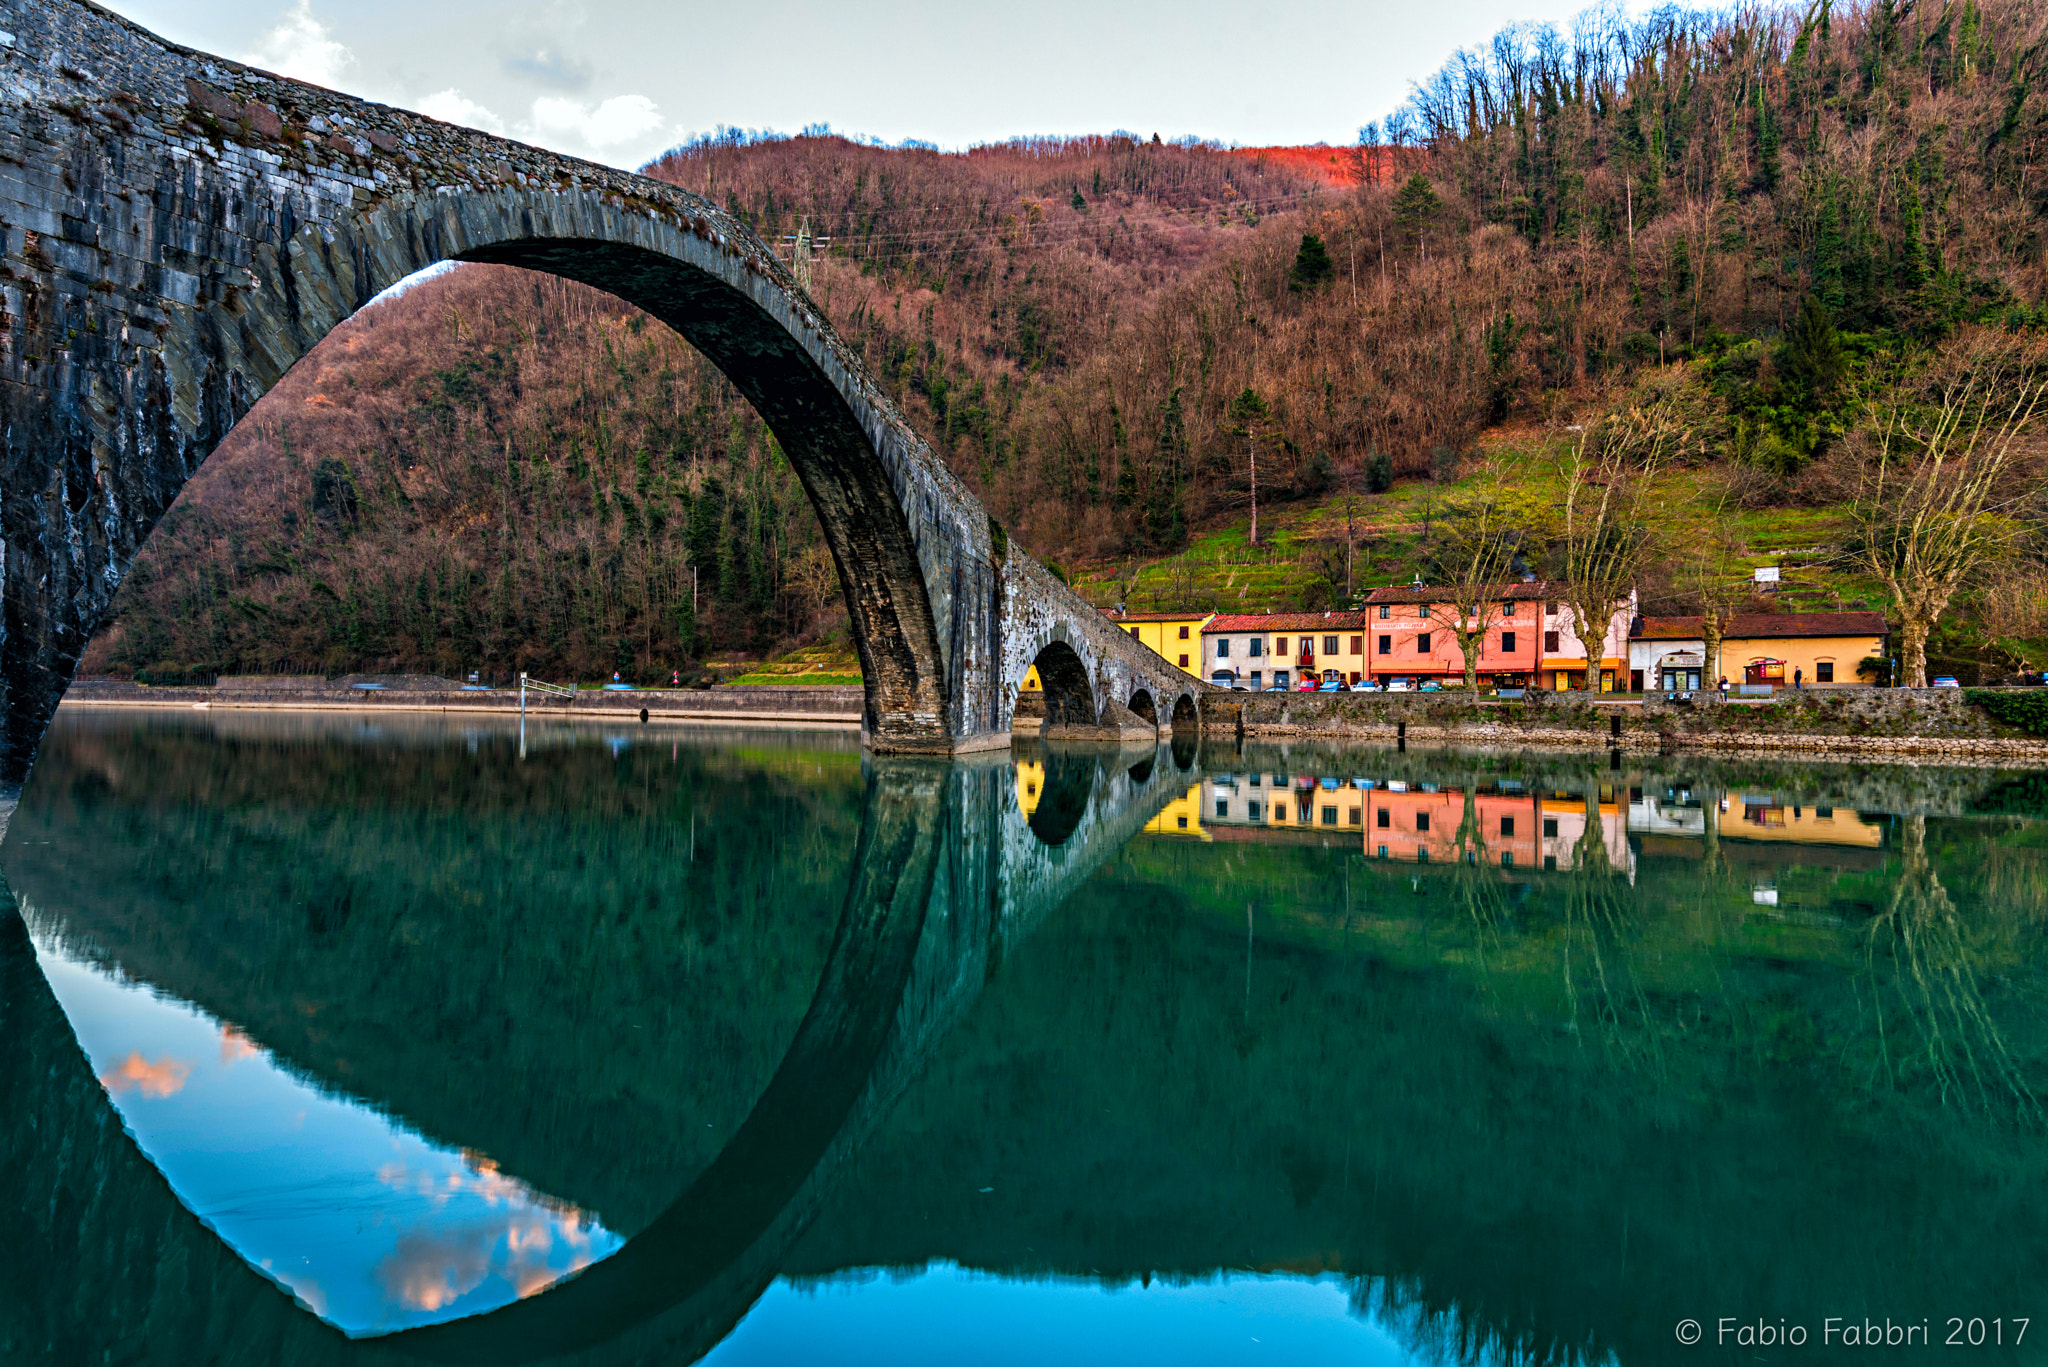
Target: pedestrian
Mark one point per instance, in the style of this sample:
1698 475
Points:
1798 679
1724 688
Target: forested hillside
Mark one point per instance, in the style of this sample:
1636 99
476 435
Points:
1757 211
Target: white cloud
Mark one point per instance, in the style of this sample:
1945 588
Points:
620 119
452 106
302 47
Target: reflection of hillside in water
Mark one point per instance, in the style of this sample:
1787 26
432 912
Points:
1524 1109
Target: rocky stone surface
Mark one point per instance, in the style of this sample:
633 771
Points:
177 229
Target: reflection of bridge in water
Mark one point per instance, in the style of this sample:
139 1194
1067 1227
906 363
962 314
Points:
948 872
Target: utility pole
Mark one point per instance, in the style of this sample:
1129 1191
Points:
1350 541
800 258
1251 437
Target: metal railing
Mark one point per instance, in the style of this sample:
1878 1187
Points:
565 692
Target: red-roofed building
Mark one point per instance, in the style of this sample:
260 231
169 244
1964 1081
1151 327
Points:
1267 649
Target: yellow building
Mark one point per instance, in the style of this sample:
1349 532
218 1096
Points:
1782 649
1808 648
1176 636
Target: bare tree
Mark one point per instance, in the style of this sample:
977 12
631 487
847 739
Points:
1711 571
1939 489
1474 544
1603 537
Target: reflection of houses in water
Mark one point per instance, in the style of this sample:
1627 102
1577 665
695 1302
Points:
1763 816
1030 785
1180 817
1754 828
1501 825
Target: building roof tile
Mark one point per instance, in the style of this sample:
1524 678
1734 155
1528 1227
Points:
1745 626
1751 625
1285 621
1525 591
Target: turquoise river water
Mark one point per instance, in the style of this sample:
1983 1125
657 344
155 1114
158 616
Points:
329 1040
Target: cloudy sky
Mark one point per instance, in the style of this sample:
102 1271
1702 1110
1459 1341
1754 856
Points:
620 80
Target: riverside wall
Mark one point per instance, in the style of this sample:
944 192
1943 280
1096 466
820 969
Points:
1844 722
816 704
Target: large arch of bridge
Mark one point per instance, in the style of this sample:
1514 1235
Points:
896 521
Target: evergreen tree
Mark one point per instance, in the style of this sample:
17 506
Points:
1416 207
1312 265
1379 471
1814 363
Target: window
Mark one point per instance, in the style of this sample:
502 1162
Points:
1329 645
1824 671
1422 610
1280 645
1358 645
1550 863
1255 681
1383 851
1385 819
1509 610
1422 854
1251 810
1550 646
1550 827
1183 822
1386 645
1222 808
1507 642
1422 642
1329 816
1385 612
1824 813
1183 662
1134 631
1507 825
1422 821
1257 647
1222 647
1357 816
1183 633
1550 609
1507 861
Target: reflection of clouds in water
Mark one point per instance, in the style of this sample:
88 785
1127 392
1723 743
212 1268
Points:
165 1077
309 1291
235 1046
532 1245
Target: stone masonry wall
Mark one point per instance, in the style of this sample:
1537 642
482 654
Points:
1846 721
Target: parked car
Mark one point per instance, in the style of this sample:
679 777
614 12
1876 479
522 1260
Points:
1365 686
1332 686
1307 686
1945 681
1429 686
1274 688
1400 685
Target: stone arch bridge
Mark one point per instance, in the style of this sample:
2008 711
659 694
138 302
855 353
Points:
176 230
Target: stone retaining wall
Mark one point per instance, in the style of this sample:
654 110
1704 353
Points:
825 704
1933 721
